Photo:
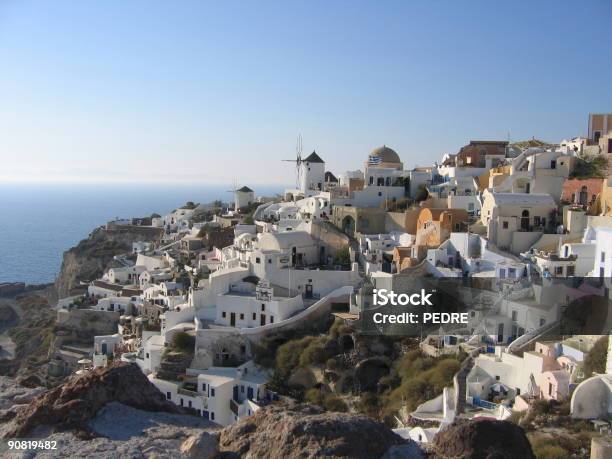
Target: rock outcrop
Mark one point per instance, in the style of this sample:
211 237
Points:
205 445
92 256
482 439
304 431
74 403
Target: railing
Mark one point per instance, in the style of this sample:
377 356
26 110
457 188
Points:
484 404
187 392
234 407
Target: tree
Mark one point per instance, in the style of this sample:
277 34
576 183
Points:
204 230
342 257
421 194
595 360
183 342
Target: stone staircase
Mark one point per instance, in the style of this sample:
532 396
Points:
172 365
460 383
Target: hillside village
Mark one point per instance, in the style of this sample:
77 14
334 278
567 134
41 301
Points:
524 229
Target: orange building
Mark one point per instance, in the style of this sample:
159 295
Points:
582 192
435 225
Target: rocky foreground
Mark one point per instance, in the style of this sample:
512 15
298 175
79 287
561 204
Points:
115 412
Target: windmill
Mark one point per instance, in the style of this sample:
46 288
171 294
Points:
233 191
298 159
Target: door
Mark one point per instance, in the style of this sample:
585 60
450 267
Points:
525 221
500 333
262 319
250 393
235 393
205 414
308 293
233 319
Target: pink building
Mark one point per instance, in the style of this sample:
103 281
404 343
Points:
554 385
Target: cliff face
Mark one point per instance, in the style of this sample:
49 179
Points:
73 404
304 431
92 256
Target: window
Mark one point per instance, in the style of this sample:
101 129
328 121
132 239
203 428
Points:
254 316
263 307
603 257
168 395
471 206
553 164
241 316
270 259
380 193
203 387
497 378
518 391
212 394
271 319
505 225
511 272
514 316
147 355
181 402
542 322
371 180
257 260
223 314
189 403
571 270
242 389
596 136
212 416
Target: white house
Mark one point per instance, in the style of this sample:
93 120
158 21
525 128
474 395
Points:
221 394
514 221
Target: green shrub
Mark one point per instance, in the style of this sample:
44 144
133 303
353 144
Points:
342 257
313 353
369 404
590 167
421 194
288 355
595 360
333 403
548 448
332 364
183 342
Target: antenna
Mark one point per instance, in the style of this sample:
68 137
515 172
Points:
298 158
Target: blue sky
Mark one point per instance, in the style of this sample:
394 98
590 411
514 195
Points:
211 92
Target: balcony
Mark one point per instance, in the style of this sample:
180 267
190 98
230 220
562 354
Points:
187 392
235 407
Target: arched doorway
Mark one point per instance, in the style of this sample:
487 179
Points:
525 221
348 225
584 196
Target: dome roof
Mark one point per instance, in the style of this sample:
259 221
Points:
386 155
